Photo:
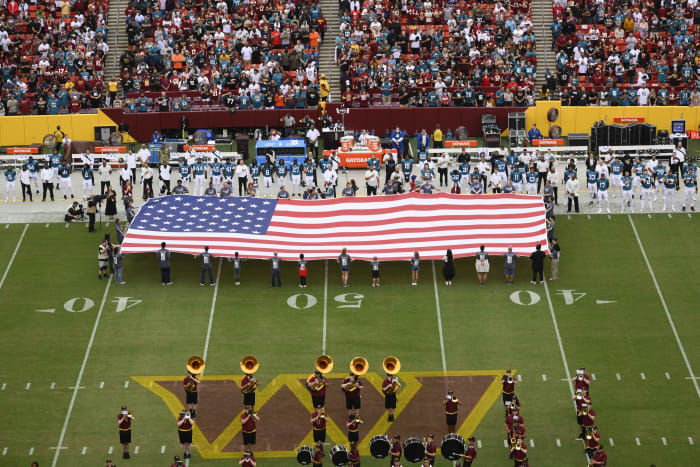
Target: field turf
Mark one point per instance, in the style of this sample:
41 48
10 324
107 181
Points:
642 393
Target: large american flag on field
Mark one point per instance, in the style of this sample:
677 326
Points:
388 227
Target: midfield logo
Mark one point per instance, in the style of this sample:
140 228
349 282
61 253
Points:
284 406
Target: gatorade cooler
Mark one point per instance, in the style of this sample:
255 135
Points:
346 143
374 144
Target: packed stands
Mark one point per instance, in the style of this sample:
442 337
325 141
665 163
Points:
436 53
52 56
621 53
205 55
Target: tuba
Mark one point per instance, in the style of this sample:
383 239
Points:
392 366
324 364
195 365
359 366
249 364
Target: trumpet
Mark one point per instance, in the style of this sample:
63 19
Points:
513 440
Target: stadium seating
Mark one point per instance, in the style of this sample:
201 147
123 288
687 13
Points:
617 54
53 56
436 54
267 51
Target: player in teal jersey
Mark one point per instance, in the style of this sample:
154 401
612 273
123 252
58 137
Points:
281 174
615 175
254 172
660 175
690 181
456 177
603 185
229 170
627 182
531 181
10 184
184 171
516 177
55 160
668 180
64 180
407 169
464 171
33 167
86 172
217 169
268 171
592 184
296 170
646 183
200 174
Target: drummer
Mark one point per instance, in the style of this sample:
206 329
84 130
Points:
470 454
451 403
395 451
430 449
354 456
318 455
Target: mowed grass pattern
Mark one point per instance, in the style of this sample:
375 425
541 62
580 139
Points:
483 329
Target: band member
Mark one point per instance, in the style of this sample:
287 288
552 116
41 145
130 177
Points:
513 418
351 386
581 398
592 441
353 423
185 423
451 403
318 455
316 384
191 384
587 420
248 419
508 383
176 462
518 433
581 380
318 422
354 456
248 385
470 454
395 451
124 421
248 459
518 453
430 449
389 388
599 457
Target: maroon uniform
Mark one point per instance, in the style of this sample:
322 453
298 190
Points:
582 383
508 388
248 390
520 455
318 458
319 426
184 429
587 420
470 455
248 462
592 442
190 384
395 451
248 428
352 393
451 408
354 457
518 432
599 458
124 423
317 387
353 429
431 451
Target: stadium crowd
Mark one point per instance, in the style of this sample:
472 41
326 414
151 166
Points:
622 53
439 53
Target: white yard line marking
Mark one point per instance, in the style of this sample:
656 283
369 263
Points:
136 449
126 384
558 443
520 377
667 375
478 443
439 321
162 449
31 451
669 216
14 254
102 384
532 443
53 386
80 375
4 451
110 450
4 385
663 302
611 442
663 440
589 216
609 217
689 216
211 313
28 386
568 216
47 226
643 376
505 443
544 377
593 376
66 226
617 375
690 441
84 451
7 226
325 307
636 440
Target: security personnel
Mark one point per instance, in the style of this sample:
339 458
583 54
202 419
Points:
249 383
451 403
438 137
185 423
390 386
207 260
318 423
191 385
164 259
124 422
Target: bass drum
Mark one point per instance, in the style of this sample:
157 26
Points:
304 455
339 455
413 450
379 446
452 446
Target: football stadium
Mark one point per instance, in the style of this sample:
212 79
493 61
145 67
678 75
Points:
279 233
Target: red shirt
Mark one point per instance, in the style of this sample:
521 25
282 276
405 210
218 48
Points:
353 425
186 383
587 420
471 453
520 454
246 379
580 402
508 388
451 407
249 425
320 422
354 391
248 462
593 442
124 422
313 381
431 450
386 385
600 457
582 383
318 457
186 425
395 449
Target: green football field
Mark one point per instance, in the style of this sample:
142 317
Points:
625 307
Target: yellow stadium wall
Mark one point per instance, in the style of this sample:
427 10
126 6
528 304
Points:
24 131
581 119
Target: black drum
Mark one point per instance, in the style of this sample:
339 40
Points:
379 446
413 450
452 446
339 455
304 455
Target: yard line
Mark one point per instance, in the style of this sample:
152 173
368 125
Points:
569 216
663 440
663 302
325 307
609 217
643 376
505 443
439 321
136 449
111 450
4 451
162 449
84 451
647 215
690 440
12 259
611 442
617 375
126 384
689 216
211 314
636 440
80 375
669 216
589 216
66 225
532 443
53 386
478 443
7 226
31 451
102 384
593 376
520 377
667 375
4 385
544 377
47 226
558 442
29 385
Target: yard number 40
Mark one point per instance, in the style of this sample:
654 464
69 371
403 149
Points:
303 301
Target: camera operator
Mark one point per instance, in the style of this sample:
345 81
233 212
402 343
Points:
93 203
75 212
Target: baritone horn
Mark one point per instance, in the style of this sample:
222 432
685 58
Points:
391 365
359 366
195 364
249 364
324 364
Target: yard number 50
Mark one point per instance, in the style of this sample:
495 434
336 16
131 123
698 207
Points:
302 301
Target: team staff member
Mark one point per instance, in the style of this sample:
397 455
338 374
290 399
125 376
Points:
353 423
164 259
124 422
437 137
395 451
248 419
185 423
451 403
207 260
508 387
318 423
316 384
191 385
165 176
537 259
389 387
248 385
25 179
248 459
352 386
470 453
344 260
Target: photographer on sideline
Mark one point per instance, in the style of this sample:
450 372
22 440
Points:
75 212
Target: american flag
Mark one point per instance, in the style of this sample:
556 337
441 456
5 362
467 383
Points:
388 227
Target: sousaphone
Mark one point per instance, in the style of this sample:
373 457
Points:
249 364
195 364
324 364
391 365
359 366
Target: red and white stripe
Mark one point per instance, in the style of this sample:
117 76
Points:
388 227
